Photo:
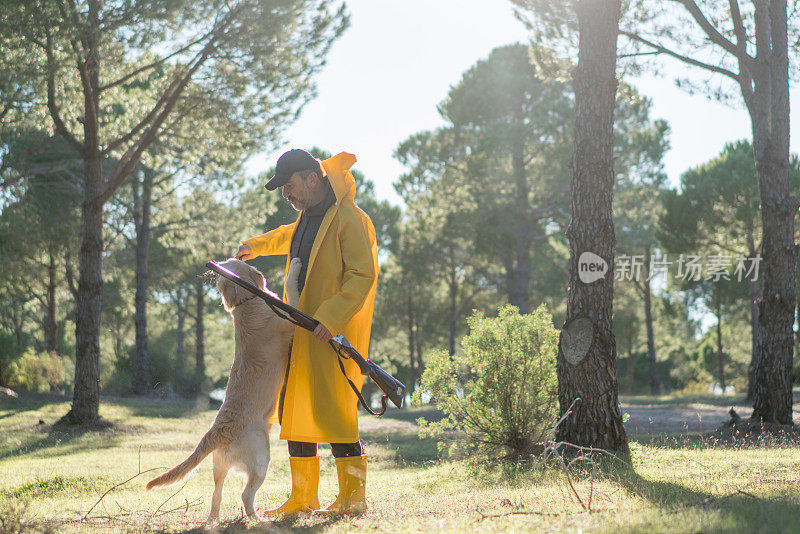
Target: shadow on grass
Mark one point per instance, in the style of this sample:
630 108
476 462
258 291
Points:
673 441
138 406
409 448
741 511
411 414
57 440
28 402
678 400
309 524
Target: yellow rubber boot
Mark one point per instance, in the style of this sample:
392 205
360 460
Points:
352 499
305 484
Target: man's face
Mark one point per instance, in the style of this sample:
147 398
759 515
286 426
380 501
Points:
298 191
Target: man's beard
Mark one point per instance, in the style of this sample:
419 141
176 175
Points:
295 204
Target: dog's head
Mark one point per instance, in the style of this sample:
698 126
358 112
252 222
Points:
233 294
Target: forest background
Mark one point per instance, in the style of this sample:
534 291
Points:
476 220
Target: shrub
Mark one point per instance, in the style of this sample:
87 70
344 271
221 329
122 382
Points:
41 371
499 392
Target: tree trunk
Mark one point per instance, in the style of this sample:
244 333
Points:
631 376
520 276
756 338
179 338
412 369
797 332
141 376
587 374
453 287
720 355
419 365
86 393
50 325
655 383
18 323
199 353
773 390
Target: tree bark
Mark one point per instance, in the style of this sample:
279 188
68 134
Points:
86 393
631 376
770 121
756 338
720 354
141 378
50 325
199 351
179 337
453 289
589 378
520 276
412 368
655 383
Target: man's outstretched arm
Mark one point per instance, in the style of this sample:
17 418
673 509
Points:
273 243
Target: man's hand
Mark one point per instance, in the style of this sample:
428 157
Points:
322 333
245 253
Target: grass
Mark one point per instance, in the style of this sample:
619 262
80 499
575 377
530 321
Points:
51 478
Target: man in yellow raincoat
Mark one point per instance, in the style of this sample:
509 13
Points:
335 241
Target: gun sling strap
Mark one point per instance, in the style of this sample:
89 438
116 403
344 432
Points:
340 356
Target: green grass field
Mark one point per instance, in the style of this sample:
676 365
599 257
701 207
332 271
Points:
51 479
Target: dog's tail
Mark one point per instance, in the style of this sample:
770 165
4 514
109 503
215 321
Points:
213 439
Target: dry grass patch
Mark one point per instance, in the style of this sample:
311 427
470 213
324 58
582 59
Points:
51 479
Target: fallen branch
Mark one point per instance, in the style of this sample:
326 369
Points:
167 500
112 488
515 512
569 479
708 500
185 507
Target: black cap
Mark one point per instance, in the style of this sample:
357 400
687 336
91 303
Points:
290 162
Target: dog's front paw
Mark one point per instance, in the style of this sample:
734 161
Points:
292 281
294 266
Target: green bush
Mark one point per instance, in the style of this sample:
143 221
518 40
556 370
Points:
41 371
499 392
641 374
9 351
688 374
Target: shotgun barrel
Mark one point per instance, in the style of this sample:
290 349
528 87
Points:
389 385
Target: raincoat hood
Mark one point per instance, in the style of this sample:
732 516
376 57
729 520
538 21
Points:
337 170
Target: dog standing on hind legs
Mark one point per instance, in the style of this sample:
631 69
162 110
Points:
239 436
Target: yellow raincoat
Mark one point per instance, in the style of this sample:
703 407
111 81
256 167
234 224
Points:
319 405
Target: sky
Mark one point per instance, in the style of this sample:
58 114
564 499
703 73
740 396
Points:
398 59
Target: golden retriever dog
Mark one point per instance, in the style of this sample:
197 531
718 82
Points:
239 436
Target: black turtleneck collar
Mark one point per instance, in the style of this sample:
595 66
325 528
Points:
322 206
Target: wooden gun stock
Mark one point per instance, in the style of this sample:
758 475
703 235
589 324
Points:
391 387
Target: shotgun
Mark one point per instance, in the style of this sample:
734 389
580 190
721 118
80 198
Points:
392 388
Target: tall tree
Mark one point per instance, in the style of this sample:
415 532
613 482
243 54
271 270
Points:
39 221
751 50
640 179
587 374
496 173
716 211
247 64
438 241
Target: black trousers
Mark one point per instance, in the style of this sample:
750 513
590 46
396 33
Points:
339 450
